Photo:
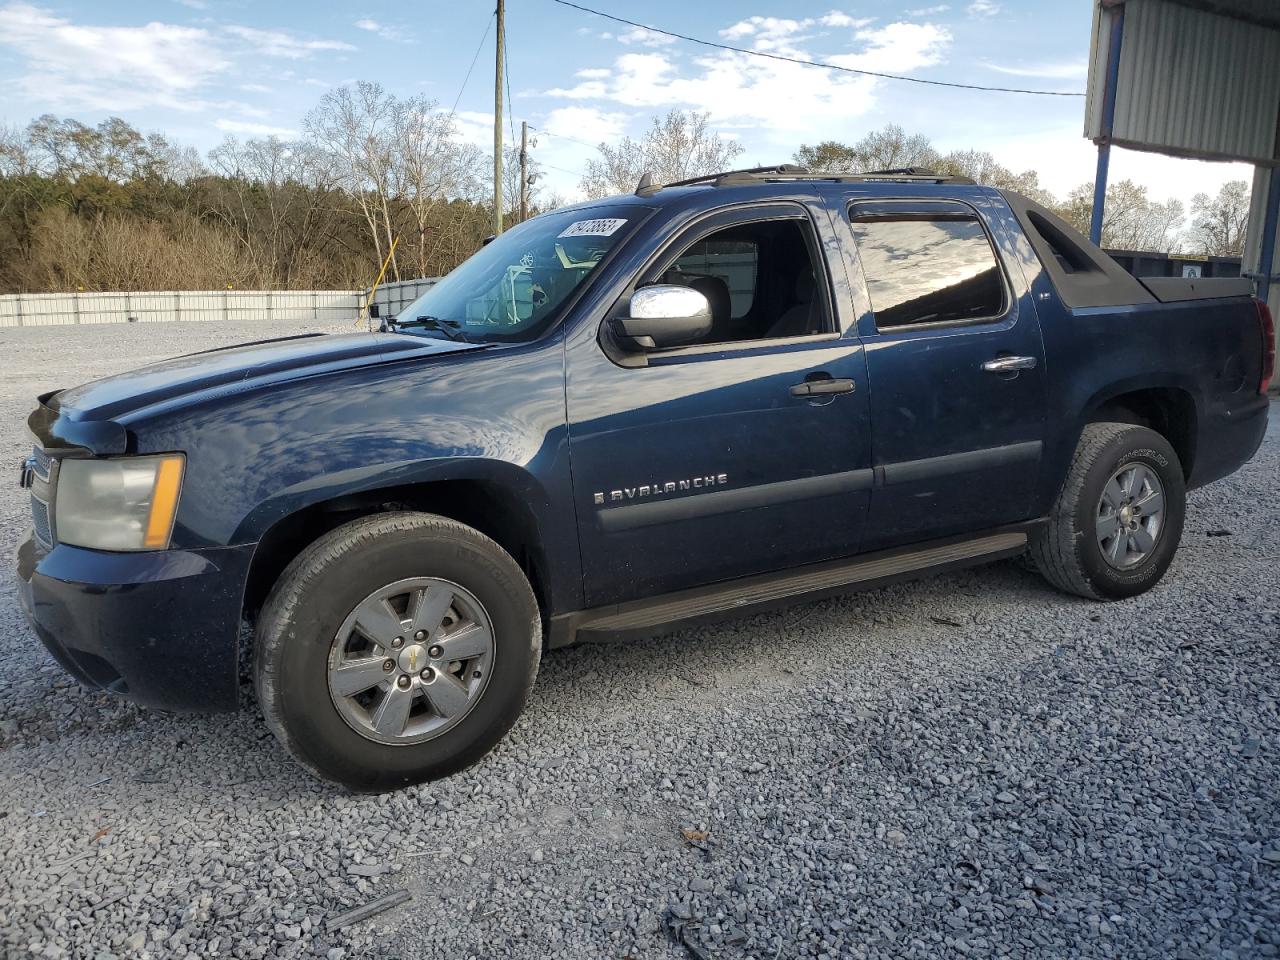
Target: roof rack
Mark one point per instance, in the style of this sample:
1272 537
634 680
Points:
790 171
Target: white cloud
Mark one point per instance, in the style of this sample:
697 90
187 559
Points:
71 65
838 18
1052 71
772 28
384 30
278 43
647 38
781 100
898 48
587 124
592 73
110 68
983 8
928 11
254 129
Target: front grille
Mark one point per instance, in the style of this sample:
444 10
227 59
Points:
40 521
42 463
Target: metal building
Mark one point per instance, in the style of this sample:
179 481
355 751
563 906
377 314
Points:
1193 78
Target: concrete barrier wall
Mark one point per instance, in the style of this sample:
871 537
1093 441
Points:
46 309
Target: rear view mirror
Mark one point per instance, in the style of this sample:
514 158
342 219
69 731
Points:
665 315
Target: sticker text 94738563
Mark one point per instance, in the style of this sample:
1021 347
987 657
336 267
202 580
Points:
605 227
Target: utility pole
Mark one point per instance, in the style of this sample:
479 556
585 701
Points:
524 170
497 117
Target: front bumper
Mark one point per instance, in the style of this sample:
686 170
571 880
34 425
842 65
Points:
161 628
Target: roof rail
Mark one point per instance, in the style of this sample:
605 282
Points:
790 171
747 173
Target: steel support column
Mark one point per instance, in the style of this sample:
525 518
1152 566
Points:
1108 119
1270 224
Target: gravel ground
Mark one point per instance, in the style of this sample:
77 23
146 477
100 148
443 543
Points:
969 766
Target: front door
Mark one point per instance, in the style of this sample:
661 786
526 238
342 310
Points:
706 462
956 369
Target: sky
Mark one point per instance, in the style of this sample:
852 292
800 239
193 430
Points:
200 70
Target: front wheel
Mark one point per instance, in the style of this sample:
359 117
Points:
1116 524
395 649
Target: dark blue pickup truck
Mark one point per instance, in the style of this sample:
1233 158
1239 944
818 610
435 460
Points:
712 395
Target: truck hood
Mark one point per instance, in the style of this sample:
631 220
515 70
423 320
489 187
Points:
92 415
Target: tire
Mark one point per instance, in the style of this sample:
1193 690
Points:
314 641
1068 551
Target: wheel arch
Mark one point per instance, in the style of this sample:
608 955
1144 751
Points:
1169 409
507 511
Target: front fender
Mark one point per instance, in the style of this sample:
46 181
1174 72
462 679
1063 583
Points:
255 458
513 480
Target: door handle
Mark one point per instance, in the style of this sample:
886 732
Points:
818 388
1009 364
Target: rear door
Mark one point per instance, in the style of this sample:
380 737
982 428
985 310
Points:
956 369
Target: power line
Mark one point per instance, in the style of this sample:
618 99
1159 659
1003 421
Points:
488 24
814 63
552 166
561 136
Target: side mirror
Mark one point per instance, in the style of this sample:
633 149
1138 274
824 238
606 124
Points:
665 315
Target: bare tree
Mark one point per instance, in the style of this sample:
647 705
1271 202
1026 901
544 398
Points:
676 147
113 150
1131 220
982 167
273 197
893 148
430 164
887 149
1219 224
357 126
15 153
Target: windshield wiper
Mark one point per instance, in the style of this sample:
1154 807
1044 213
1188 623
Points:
450 328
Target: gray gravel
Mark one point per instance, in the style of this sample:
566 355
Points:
969 766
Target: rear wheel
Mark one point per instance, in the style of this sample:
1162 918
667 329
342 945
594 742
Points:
397 648
1117 521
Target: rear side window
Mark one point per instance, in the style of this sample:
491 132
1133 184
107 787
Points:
928 268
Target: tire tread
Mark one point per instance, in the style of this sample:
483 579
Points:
271 632
1055 549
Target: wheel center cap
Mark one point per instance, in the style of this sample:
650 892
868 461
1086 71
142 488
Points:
1126 515
413 658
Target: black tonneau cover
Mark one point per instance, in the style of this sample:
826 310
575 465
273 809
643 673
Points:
1176 289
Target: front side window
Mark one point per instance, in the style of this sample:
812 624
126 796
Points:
931 268
513 289
762 280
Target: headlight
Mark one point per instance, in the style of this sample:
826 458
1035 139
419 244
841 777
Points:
124 504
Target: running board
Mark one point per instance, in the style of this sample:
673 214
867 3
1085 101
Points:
808 582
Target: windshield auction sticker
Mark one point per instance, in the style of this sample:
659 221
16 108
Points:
593 228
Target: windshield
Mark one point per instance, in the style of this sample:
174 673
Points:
513 288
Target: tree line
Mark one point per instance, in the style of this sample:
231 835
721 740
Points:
108 207
682 145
